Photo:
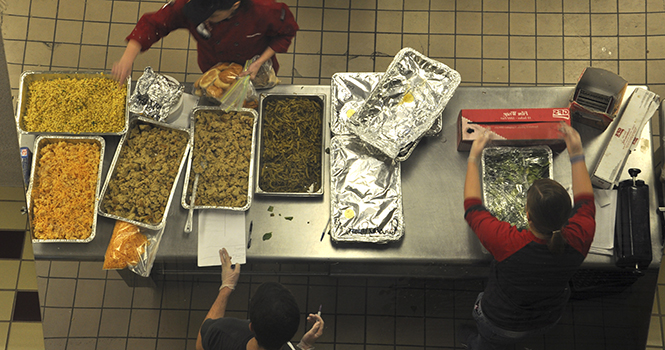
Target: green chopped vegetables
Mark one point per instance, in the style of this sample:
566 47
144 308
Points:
267 236
270 208
507 174
288 218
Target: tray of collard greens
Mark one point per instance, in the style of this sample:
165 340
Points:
405 104
366 193
507 173
349 90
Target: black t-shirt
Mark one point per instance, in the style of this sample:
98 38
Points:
227 333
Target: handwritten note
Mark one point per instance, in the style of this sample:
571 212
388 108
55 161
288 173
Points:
221 229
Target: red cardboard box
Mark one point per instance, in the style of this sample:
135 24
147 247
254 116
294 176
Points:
513 127
597 97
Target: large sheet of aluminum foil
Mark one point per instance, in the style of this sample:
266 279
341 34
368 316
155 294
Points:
406 102
155 95
366 193
349 92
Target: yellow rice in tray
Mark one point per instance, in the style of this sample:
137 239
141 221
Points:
63 195
93 105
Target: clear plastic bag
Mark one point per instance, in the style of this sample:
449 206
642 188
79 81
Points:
235 96
132 247
265 77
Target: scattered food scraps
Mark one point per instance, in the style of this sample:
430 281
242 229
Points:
270 208
267 236
288 218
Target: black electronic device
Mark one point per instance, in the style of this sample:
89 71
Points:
632 230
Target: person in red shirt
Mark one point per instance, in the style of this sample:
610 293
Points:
225 31
527 290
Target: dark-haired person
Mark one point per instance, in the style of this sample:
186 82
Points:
527 289
274 318
224 30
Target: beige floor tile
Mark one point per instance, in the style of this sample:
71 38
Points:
193 65
632 6
27 279
84 322
419 42
381 63
95 33
310 42
17 7
335 19
610 65
442 5
549 72
655 5
495 23
549 48
307 65
389 21
4 333
66 55
6 304
344 4
92 57
442 45
43 8
604 48
470 5
332 64
14 27
522 24
469 69
11 217
309 18
37 54
632 24
388 44
173 61
577 47
41 29
655 47
125 12
71 9
361 64
416 22
468 46
118 32
362 21
359 44
495 71
655 23
576 24
603 24
549 6
69 31
655 335
523 72
575 6
362 4
113 54
337 43
523 5
149 6
522 47
144 59
24 335
468 23
603 6
495 47
14 51
632 48
549 24
442 22
98 10
27 248
388 4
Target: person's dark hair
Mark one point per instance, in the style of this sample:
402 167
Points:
549 208
198 11
274 315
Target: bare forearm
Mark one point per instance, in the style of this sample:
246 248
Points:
132 50
472 181
266 55
581 180
218 308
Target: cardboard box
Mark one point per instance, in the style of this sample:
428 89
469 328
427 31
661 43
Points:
597 97
641 106
513 127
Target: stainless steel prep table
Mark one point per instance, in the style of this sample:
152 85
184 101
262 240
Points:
436 234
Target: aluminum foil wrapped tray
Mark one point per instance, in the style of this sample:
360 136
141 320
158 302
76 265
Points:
366 193
349 91
507 174
46 190
155 95
405 104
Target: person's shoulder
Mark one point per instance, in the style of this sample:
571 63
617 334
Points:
265 5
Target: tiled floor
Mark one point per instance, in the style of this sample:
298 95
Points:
490 42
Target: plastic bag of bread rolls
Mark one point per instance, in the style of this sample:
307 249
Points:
223 84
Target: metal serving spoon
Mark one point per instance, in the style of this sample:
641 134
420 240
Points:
190 215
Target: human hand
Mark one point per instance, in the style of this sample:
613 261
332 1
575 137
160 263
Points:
230 272
572 139
479 144
252 70
308 340
121 70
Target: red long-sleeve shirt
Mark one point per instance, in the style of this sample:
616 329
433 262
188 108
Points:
252 29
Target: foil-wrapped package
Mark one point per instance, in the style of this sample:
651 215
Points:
155 95
405 104
366 193
507 174
349 92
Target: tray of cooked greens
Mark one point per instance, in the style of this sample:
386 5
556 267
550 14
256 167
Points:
507 174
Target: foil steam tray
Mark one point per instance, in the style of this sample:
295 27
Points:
507 174
250 191
349 92
113 168
29 76
366 193
41 142
405 104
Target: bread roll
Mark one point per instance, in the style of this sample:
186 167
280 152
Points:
214 91
221 84
208 78
228 76
236 68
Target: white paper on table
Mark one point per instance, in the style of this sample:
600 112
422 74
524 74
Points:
606 208
221 229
